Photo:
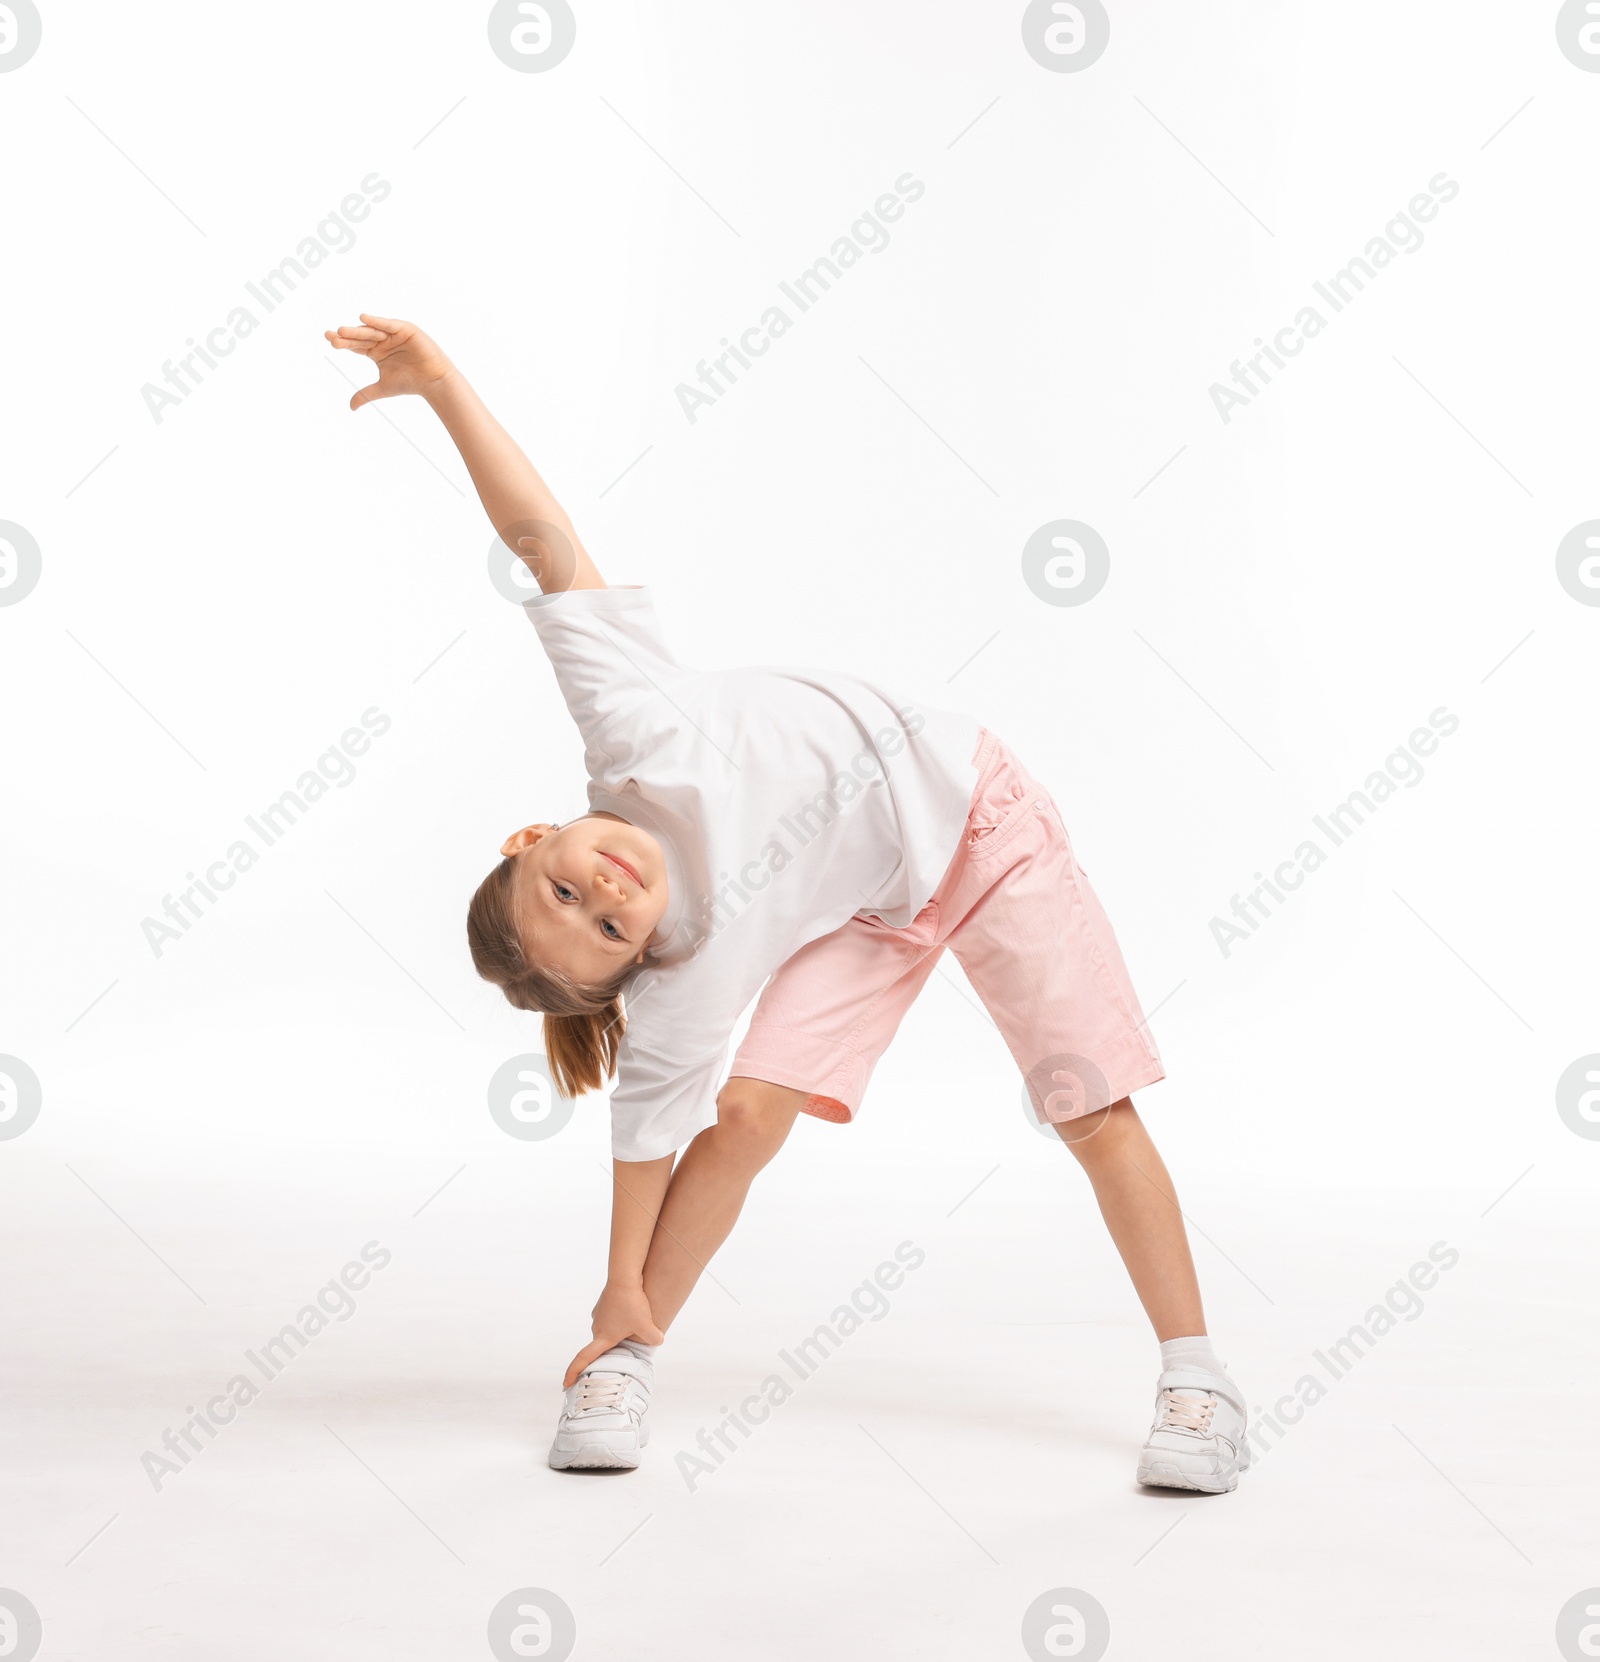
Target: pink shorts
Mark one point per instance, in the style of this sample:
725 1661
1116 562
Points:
1016 909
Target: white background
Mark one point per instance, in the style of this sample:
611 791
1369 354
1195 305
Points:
224 591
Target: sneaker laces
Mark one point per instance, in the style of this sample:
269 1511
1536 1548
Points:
601 1391
1187 1411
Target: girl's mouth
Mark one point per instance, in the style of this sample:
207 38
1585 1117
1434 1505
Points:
624 866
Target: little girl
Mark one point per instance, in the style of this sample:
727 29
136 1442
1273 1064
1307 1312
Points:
803 835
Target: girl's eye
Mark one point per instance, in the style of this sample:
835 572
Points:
612 932
564 893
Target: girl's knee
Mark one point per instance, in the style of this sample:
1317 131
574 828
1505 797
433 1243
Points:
754 1117
1103 1135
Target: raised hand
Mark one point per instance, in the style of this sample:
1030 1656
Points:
518 502
407 360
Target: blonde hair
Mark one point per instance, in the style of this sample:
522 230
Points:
582 1025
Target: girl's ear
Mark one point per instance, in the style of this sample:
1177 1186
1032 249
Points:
525 838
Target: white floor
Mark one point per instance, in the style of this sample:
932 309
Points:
951 1462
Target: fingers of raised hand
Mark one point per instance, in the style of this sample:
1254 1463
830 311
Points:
364 341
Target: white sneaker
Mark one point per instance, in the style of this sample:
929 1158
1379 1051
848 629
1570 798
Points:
603 1414
1198 1439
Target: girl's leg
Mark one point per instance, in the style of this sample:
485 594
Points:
1140 1207
709 1185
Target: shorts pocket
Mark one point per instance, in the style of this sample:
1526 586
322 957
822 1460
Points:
994 820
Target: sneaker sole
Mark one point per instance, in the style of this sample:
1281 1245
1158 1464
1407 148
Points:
593 1457
1161 1474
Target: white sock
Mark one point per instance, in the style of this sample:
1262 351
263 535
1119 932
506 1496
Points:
1192 1352
645 1353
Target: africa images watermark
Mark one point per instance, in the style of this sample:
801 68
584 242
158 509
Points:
868 235
1402 234
275 1355
21 1628
868 1302
333 235
20 563
1401 767
21 1097
335 766
1401 1302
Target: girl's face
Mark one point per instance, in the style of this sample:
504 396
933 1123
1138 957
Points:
589 894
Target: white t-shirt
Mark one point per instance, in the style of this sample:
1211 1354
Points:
785 801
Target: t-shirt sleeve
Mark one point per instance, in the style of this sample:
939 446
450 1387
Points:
673 1052
615 669
658 1105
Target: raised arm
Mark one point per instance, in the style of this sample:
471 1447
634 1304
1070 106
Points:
518 502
